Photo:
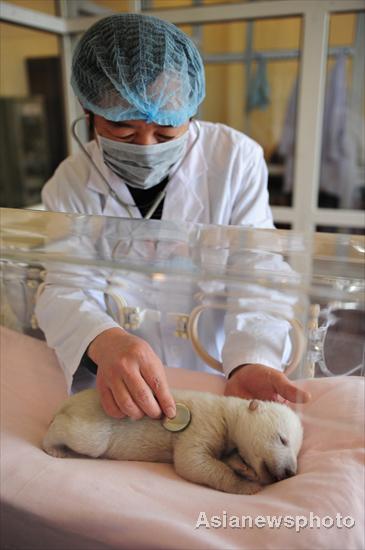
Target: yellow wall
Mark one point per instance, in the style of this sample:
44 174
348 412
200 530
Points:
18 43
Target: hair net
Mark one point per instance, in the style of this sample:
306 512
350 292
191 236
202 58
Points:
133 66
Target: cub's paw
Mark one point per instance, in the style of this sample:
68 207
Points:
57 452
240 467
254 488
249 488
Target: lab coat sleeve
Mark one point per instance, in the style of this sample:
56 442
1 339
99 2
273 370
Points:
255 337
70 321
250 198
261 333
69 317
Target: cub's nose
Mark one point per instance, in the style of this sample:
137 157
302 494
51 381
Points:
279 474
289 472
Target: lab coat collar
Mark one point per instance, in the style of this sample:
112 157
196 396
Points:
189 185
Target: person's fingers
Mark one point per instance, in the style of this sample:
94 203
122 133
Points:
141 394
288 390
125 401
108 403
232 390
157 381
303 396
281 400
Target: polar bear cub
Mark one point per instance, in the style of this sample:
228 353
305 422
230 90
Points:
231 444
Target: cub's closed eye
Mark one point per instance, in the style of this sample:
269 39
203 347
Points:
283 440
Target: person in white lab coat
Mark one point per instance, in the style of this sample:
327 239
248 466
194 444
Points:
140 81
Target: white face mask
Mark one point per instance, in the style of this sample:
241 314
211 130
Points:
142 166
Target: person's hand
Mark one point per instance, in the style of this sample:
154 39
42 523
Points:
131 379
265 383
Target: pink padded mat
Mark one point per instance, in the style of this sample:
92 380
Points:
50 503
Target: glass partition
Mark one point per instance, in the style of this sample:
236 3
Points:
342 176
187 280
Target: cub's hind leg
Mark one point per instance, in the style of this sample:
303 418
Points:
67 436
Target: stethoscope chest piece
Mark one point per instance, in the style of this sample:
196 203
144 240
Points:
180 421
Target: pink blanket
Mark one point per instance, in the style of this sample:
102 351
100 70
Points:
101 504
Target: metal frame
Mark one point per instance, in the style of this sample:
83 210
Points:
10 13
304 215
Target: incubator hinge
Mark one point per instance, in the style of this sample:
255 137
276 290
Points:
35 278
181 330
130 317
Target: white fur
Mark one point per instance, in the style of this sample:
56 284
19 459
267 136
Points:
229 445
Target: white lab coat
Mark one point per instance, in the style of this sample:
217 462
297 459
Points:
222 181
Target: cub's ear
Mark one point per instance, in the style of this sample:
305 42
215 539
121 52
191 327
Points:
253 406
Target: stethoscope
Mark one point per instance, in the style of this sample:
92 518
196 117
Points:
111 191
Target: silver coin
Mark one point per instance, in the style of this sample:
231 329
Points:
180 421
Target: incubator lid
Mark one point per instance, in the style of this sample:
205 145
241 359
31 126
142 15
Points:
330 266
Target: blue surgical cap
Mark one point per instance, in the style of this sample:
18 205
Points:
133 66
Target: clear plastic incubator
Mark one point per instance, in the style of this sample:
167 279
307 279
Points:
197 294
180 283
